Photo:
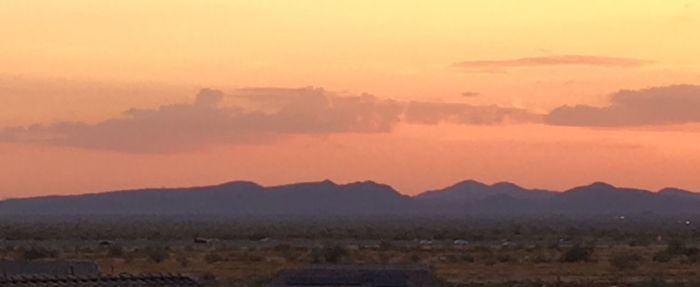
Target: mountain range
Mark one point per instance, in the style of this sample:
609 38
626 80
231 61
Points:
242 198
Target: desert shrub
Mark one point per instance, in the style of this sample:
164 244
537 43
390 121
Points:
626 261
257 236
183 261
157 254
644 241
282 248
384 257
679 248
489 261
212 258
129 256
251 257
35 253
85 250
532 248
207 276
654 282
385 245
504 258
115 251
692 255
403 236
662 257
467 258
676 248
577 253
315 256
541 258
255 281
478 237
334 254
285 250
481 249
553 246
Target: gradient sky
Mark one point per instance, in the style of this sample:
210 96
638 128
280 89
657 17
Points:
104 95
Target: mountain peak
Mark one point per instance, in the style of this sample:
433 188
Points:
469 184
596 187
672 191
369 185
601 184
506 185
328 182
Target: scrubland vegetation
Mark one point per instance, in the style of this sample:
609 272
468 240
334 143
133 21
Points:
486 252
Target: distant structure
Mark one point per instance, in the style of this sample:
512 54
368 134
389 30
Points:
355 275
47 268
201 240
105 243
157 280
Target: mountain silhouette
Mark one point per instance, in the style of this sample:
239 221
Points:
234 198
242 198
472 196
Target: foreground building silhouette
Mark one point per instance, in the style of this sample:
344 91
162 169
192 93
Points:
22 273
47 268
351 275
153 280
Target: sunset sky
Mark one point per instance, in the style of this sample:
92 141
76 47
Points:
108 95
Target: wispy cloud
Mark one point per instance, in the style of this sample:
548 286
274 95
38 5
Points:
654 106
469 94
560 60
435 113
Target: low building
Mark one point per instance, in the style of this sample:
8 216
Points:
154 280
356 275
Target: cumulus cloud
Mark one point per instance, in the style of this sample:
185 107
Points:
206 121
654 106
254 115
562 60
209 98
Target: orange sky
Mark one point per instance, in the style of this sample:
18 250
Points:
459 90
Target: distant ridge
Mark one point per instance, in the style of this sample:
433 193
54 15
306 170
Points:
469 197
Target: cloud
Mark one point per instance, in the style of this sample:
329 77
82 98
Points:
677 104
208 98
254 115
562 60
435 113
206 121
469 94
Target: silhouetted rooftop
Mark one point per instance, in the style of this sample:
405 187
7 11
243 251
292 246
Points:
154 280
356 275
22 267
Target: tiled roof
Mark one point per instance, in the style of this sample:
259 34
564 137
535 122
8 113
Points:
151 280
23 267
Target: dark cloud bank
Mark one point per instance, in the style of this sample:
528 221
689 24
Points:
257 115
654 106
264 114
